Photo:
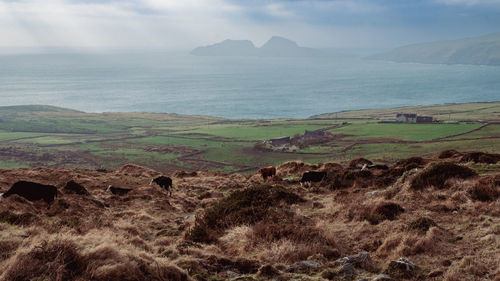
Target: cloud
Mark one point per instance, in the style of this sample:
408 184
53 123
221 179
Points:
175 24
469 2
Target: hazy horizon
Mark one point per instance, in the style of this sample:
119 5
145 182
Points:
169 25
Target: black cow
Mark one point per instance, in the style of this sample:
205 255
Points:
312 176
33 191
118 190
163 182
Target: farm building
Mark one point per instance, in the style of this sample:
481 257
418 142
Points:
279 141
411 118
314 134
424 119
406 118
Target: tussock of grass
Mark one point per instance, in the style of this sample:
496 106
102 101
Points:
421 224
17 219
349 178
359 162
410 163
59 259
294 168
246 206
486 189
448 154
480 157
437 174
384 211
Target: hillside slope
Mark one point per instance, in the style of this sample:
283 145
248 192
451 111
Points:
355 224
483 50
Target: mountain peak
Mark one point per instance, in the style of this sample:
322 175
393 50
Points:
279 42
275 47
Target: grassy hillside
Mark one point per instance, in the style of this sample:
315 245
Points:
487 111
483 50
442 215
32 136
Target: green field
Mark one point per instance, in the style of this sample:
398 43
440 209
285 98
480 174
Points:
33 136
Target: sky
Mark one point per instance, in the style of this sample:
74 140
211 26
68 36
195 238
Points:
185 24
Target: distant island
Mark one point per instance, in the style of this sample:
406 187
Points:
274 47
484 50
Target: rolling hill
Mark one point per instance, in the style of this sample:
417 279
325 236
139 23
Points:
483 50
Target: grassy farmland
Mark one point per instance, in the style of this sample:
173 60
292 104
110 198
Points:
33 136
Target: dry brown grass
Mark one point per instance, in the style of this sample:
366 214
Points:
451 233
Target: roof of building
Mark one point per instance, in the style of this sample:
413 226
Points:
407 115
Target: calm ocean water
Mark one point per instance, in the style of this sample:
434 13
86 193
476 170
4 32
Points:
235 87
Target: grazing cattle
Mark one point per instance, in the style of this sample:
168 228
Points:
75 188
33 191
267 172
312 176
118 190
163 182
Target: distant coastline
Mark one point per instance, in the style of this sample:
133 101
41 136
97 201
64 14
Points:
343 113
484 50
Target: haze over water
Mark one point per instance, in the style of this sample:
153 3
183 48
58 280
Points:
235 87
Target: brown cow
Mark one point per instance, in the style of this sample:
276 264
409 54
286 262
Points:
267 172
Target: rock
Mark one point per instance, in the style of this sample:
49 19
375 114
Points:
242 278
382 277
303 266
359 260
347 269
232 274
401 268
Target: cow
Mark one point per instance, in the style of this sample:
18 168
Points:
267 172
118 190
163 182
74 188
311 176
32 191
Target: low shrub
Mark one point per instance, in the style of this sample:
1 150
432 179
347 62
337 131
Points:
438 173
59 260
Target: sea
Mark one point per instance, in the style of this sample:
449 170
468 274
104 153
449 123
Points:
235 87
